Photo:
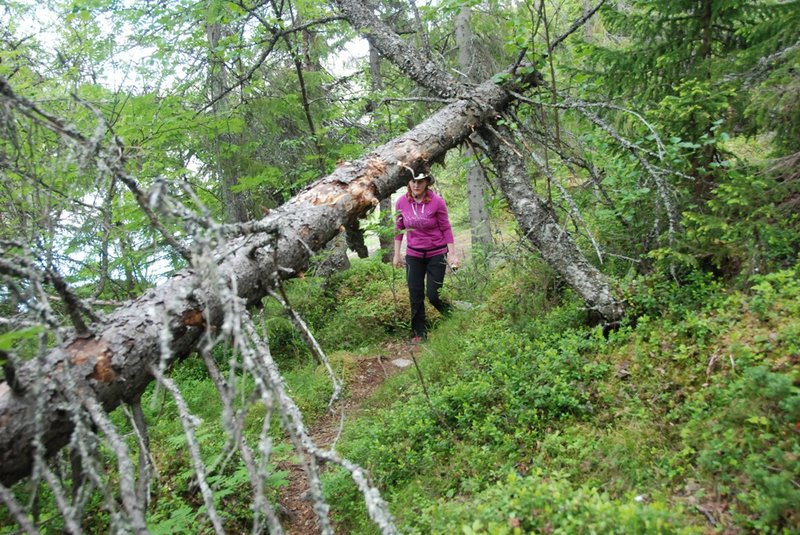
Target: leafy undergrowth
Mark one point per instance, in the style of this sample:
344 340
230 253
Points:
684 420
350 314
351 310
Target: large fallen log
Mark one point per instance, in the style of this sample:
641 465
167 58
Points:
535 219
112 365
541 228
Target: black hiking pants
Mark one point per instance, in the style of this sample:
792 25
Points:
417 270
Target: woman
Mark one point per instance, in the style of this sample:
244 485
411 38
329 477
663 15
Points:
423 216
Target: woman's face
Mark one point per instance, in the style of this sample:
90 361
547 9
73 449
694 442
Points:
417 186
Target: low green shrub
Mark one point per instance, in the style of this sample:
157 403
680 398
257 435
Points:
539 503
350 309
693 409
744 438
492 394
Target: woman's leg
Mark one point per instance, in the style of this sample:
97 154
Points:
435 272
415 276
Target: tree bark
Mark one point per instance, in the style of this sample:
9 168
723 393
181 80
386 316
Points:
592 25
334 257
112 365
226 166
423 71
539 225
385 208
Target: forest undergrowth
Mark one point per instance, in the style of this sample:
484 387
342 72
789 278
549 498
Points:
522 417
526 419
683 420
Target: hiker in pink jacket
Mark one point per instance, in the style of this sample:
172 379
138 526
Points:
422 214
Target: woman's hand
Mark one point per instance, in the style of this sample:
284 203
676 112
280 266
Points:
453 260
398 261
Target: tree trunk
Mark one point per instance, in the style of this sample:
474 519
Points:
468 59
226 166
385 208
592 25
557 247
477 190
334 257
112 365
385 239
539 225
423 71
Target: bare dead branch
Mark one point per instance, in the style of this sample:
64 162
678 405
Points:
146 464
575 26
310 341
18 513
293 423
112 161
73 304
190 423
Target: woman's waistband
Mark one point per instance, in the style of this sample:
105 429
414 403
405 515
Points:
426 252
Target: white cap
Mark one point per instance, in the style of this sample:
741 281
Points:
423 176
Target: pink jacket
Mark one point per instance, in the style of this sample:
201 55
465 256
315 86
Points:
427 225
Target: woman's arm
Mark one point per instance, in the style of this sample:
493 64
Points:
398 258
399 227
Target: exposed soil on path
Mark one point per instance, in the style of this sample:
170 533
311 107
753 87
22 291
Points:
366 376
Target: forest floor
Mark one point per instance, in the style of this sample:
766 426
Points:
368 374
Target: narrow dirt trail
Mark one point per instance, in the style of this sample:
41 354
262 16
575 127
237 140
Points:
368 374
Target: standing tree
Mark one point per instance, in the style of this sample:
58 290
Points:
225 141
470 62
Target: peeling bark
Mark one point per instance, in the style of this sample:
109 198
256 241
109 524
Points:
114 364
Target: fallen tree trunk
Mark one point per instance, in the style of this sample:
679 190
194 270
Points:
112 365
539 225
